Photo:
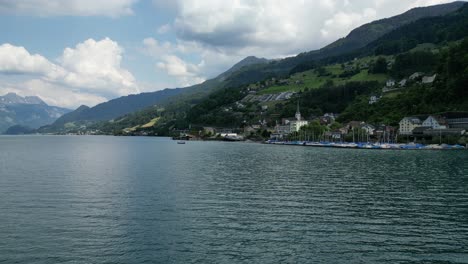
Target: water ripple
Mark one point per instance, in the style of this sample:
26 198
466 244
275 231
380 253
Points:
146 200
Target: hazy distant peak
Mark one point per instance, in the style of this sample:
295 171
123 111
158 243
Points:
13 98
34 100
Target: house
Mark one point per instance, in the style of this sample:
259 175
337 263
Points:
374 99
407 125
368 128
435 122
415 75
326 120
429 79
240 105
335 134
385 133
297 124
344 130
354 124
390 83
402 83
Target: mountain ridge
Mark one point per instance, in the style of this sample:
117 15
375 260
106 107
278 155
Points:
28 111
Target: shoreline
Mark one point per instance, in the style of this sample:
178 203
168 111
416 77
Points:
369 146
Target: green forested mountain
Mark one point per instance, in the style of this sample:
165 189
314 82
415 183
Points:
448 93
370 32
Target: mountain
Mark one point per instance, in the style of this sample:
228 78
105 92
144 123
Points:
132 103
359 38
370 32
248 61
18 130
117 107
29 111
252 69
345 88
12 98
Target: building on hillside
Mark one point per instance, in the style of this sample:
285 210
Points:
354 124
402 83
390 83
374 99
415 76
435 122
407 125
429 79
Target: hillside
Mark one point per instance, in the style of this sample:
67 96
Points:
370 32
347 86
362 36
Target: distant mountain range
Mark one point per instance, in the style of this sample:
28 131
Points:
29 111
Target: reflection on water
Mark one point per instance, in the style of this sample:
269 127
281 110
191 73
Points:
134 200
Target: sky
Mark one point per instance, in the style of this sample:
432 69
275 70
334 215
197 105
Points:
78 52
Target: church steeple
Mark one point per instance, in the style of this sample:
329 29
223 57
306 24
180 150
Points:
298 113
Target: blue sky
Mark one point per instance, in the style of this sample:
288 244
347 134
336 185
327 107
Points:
86 51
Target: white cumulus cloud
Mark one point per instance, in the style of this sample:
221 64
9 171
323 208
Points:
88 73
187 73
18 60
95 65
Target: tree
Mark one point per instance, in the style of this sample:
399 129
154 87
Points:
380 66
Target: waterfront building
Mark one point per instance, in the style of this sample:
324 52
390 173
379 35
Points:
435 122
369 129
296 125
407 125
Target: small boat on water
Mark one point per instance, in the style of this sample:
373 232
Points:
180 142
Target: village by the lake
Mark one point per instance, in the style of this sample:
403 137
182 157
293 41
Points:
436 131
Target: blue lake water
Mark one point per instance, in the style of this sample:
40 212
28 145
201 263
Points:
91 199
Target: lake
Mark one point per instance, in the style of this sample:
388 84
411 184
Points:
96 199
